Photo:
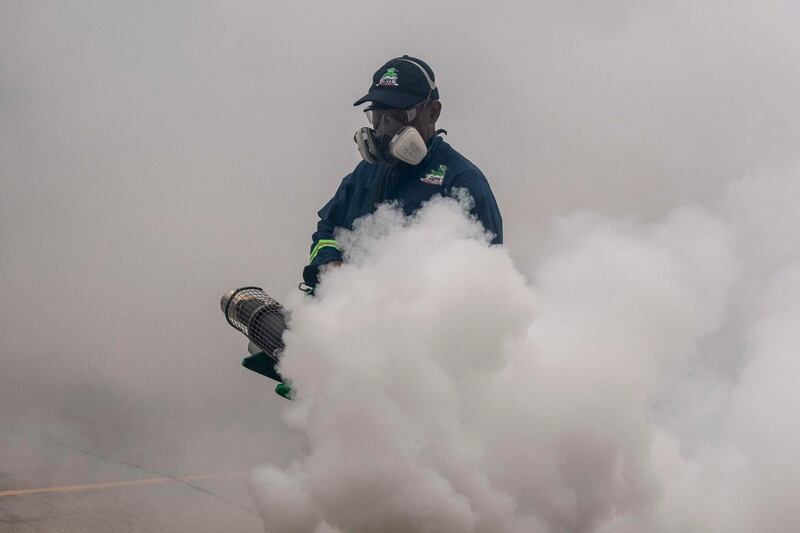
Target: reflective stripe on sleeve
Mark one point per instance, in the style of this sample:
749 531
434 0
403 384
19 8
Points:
323 243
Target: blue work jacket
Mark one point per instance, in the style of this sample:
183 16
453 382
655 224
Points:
368 185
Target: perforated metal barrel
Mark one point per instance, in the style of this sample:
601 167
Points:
260 317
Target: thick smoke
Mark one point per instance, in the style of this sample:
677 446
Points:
156 154
642 380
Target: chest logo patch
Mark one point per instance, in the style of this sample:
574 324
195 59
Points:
434 177
389 78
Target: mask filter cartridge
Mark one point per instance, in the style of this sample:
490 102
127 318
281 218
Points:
407 146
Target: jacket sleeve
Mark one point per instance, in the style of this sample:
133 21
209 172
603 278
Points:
485 208
324 247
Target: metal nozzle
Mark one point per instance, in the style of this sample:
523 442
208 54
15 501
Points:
261 318
226 298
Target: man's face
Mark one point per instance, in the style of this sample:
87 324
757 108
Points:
388 121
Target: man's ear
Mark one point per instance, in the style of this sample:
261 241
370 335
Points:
436 110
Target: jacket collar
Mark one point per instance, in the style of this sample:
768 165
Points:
433 145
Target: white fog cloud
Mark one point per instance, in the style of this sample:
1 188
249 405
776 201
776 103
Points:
439 392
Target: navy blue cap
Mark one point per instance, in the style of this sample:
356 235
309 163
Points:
401 83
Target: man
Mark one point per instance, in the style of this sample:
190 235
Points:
405 161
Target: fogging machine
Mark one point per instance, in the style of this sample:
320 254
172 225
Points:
263 320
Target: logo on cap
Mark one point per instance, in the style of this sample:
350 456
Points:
389 78
435 177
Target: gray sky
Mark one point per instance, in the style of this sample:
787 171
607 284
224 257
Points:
156 154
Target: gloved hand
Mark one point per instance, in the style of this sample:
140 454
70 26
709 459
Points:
311 275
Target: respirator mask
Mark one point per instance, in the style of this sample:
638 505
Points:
391 139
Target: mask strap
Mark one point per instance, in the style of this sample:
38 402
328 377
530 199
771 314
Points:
431 83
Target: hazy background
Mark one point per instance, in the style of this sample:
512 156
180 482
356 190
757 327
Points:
156 154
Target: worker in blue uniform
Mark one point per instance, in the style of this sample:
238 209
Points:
405 160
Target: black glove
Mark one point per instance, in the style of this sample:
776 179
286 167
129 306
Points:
310 279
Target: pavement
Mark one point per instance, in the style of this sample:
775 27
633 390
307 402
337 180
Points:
56 487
